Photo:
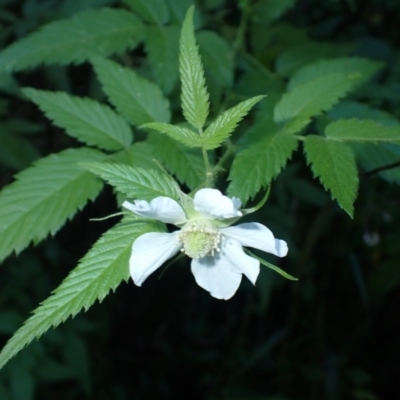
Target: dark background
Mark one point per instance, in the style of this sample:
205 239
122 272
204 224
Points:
334 334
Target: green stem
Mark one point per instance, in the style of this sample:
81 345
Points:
244 20
209 172
229 151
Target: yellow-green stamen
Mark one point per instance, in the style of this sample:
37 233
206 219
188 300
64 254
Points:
200 238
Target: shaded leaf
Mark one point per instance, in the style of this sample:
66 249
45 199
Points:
362 131
162 44
334 164
178 9
372 156
153 11
104 31
217 57
301 54
353 109
15 152
361 68
186 164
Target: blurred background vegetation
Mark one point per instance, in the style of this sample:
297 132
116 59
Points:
334 334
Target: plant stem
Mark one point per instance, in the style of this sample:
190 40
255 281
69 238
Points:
239 41
230 149
209 172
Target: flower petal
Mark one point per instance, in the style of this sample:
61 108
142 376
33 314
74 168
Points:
234 253
150 251
162 208
213 204
217 276
253 234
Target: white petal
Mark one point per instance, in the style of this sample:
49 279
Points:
281 247
150 251
234 253
162 208
237 203
217 276
258 236
213 204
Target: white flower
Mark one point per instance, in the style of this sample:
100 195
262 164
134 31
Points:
218 259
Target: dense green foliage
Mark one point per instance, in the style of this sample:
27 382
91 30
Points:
152 98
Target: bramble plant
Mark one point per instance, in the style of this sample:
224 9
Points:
172 171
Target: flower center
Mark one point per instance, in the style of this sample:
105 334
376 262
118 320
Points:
200 238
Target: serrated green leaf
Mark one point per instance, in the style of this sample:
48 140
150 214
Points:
217 56
136 98
224 125
137 155
362 131
162 45
256 166
311 98
101 270
186 164
44 196
334 164
153 11
361 68
104 31
353 109
135 182
194 96
87 120
178 133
